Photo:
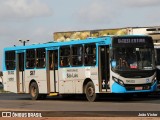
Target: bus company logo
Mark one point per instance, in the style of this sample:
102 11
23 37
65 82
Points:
6 114
147 80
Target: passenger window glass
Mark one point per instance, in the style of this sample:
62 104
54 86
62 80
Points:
30 58
77 55
90 54
10 60
65 56
40 58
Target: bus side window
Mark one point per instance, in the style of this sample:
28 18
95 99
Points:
65 56
10 60
77 51
30 58
90 54
40 58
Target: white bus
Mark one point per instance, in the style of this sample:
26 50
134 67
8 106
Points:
111 64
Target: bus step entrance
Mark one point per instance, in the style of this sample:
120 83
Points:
103 90
53 94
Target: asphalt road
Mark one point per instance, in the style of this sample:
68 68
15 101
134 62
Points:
66 107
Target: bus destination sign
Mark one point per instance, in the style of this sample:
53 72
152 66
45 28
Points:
131 40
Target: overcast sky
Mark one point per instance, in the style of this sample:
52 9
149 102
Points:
37 20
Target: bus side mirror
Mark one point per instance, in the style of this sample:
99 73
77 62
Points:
113 64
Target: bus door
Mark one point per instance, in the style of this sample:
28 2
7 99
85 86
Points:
52 73
20 72
104 70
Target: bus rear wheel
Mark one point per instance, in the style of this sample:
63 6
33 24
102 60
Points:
34 91
90 92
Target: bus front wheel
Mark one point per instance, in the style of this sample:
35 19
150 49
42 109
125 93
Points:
90 92
34 91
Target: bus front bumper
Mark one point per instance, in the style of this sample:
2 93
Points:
117 88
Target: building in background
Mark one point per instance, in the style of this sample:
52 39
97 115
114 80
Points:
81 35
153 31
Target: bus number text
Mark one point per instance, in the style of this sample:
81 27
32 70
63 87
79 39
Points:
32 72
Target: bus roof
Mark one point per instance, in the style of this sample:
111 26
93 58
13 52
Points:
57 44
106 39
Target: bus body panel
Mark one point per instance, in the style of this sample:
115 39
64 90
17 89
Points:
21 81
52 82
39 76
139 82
71 79
10 81
116 88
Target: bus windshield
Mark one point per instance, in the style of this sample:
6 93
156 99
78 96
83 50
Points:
129 58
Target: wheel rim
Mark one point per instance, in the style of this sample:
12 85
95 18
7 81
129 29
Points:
33 91
90 91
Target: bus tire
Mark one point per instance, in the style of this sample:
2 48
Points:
34 91
90 92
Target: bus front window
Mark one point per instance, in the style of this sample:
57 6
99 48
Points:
126 59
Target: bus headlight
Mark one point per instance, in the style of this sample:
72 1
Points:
118 81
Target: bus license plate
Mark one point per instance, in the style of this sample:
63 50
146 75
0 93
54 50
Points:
138 88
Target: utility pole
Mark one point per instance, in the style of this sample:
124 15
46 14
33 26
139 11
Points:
24 42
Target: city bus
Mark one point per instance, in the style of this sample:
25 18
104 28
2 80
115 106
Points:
157 58
93 66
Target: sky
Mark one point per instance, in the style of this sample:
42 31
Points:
37 20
